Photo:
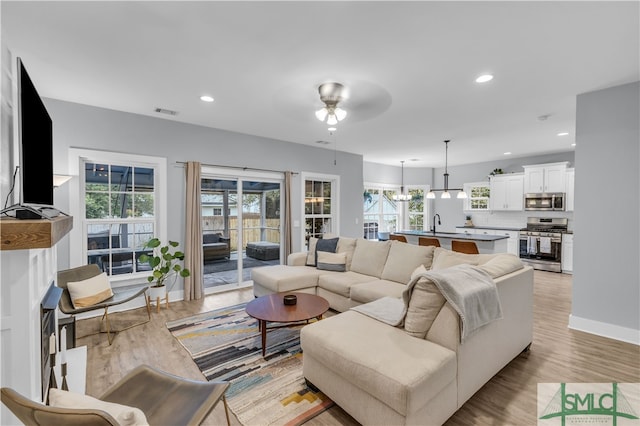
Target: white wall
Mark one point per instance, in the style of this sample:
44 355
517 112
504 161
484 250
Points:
606 280
90 127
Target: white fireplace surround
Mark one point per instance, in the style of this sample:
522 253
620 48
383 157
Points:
25 277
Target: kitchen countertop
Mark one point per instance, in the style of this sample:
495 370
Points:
501 228
455 235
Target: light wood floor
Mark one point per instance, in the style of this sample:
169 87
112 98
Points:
557 355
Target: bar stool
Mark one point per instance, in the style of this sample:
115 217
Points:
428 241
400 238
468 247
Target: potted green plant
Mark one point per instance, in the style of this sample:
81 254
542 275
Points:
166 265
468 221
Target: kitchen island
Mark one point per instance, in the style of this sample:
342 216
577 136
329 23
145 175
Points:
486 243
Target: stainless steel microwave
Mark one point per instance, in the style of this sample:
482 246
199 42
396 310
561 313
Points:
548 201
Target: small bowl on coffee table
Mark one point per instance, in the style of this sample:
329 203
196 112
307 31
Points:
290 299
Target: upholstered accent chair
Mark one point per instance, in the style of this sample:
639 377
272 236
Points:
120 296
215 246
164 399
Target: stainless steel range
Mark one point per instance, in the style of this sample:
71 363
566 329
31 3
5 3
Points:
541 243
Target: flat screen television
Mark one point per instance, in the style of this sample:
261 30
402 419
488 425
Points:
35 130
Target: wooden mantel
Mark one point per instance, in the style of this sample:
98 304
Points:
18 234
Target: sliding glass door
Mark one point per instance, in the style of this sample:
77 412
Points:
242 227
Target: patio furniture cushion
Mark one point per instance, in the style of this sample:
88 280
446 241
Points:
210 238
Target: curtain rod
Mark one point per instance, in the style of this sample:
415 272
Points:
238 167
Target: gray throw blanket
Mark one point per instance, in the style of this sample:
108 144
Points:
389 310
469 290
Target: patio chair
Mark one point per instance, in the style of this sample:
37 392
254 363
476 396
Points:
120 296
164 399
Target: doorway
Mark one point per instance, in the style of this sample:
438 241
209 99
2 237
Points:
242 227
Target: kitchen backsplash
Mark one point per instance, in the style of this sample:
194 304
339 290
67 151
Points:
514 219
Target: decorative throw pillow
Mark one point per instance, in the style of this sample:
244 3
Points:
90 291
502 264
326 244
348 246
332 261
425 302
444 258
124 415
311 253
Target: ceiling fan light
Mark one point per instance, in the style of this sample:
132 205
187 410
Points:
431 195
332 120
445 194
340 114
461 194
321 114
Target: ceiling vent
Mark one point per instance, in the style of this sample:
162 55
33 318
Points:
166 111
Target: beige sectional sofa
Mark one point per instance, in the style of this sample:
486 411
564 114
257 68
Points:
419 371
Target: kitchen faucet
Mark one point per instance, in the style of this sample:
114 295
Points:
433 229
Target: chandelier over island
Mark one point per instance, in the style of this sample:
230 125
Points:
402 196
445 191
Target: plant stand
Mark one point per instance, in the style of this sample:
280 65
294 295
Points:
157 295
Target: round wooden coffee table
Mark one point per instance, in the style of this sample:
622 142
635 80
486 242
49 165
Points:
271 308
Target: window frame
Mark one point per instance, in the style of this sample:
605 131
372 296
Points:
335 203
467 202
403 212
77 158
425 211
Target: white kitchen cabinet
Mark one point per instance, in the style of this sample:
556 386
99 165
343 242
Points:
545 177
513 243
507 192
567 253
570 182
466 230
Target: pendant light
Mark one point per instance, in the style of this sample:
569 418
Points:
402 196
445 191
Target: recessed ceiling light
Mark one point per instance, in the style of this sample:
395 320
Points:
484 78
507 153
573 144
332 129
563 133
206 98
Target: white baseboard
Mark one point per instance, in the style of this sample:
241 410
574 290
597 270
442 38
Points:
604 329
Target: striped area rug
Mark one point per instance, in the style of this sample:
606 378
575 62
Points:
270 390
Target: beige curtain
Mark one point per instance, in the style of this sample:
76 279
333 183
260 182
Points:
193 285
287 214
